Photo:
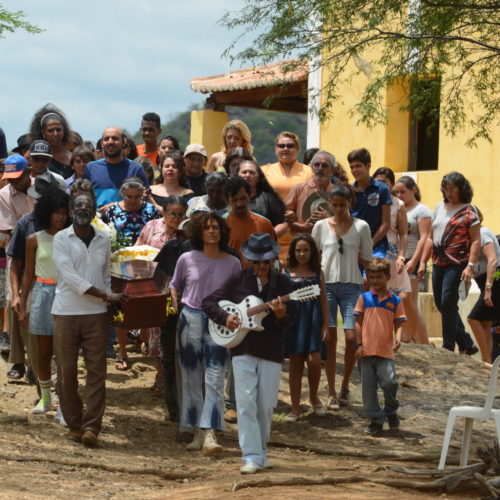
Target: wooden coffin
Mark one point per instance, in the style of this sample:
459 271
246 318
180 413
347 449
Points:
143 283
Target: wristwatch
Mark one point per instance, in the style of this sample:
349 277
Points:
357 345
488 285
471 264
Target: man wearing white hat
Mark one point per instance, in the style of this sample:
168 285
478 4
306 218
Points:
195 157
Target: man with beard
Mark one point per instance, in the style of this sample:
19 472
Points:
323 166
243 222
82 255
107 174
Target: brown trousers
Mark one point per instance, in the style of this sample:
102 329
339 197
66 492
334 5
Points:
21 339
88 332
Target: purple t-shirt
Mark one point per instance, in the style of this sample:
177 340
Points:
197 276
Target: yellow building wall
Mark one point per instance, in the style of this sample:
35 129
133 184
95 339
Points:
477 164
206 129
389 146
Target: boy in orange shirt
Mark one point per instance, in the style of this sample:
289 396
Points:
378 313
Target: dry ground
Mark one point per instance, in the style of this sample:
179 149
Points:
138 456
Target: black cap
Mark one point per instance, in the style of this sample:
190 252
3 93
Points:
23 142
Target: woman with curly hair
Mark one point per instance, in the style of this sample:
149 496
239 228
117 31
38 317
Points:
198 274
50 124
234 134
455 252
40 272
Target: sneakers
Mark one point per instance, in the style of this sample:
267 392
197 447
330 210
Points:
291 417
250 468
197 441
89 438
58 417
333 403
231 416
319 410
210 444
41 407
4 342
393 421
268 464
373 428
344 396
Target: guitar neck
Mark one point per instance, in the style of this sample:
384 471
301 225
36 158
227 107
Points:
262 307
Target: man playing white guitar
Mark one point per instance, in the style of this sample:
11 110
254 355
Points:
257 359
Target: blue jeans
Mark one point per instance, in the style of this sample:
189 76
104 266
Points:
445 283
375 372
200 359
343 296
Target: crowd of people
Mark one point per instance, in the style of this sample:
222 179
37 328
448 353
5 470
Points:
229 229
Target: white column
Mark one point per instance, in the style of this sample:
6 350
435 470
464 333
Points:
313 103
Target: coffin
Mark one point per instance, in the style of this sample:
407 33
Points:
144 284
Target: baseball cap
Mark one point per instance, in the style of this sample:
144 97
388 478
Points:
23 142
15 165
40 148
195 148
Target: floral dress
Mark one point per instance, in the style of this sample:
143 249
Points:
129 224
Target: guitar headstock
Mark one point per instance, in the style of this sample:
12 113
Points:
306 293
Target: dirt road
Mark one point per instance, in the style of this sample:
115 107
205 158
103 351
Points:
138 457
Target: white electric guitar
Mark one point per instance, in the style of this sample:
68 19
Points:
251 311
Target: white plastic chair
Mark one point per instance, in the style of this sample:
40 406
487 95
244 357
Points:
470 413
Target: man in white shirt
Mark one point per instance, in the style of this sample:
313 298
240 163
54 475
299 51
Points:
82 255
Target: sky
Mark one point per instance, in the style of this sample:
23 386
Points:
109 62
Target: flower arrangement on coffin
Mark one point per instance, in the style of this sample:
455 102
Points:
141 252
108 229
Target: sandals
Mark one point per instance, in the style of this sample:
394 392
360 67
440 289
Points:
16 372
121 364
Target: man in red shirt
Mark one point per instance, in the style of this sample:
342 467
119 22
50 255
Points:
243 222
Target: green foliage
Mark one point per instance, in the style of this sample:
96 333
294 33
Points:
264 125
454 42
12 21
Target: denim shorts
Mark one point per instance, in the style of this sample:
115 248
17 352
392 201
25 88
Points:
345 296
42 297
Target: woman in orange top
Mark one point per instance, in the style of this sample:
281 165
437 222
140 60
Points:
285 174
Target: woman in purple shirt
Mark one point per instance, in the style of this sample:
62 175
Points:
198 274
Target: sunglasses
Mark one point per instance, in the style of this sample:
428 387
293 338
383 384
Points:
177 216
287 146
322 165
340 241
257 262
